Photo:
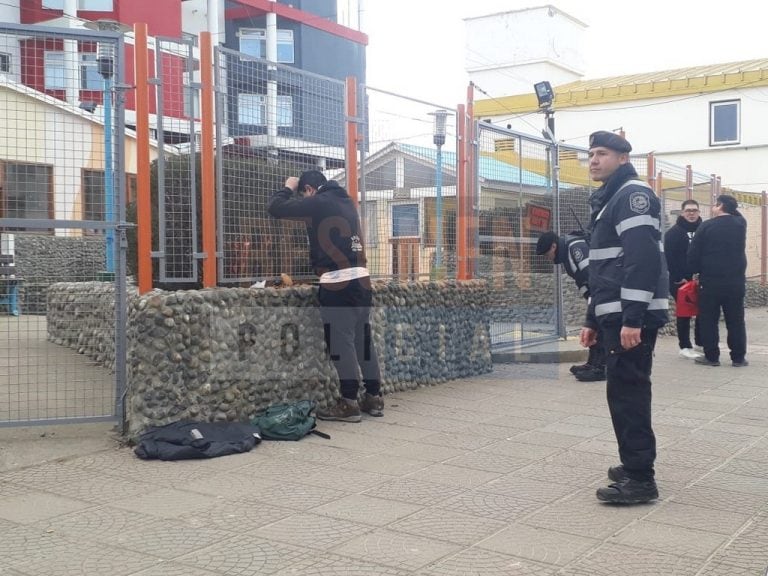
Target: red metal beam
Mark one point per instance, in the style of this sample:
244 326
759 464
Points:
290 13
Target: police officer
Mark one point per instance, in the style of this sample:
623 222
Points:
628 281
338 258
572 251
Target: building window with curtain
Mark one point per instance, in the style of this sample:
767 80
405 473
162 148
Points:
252 109
253 41
26 190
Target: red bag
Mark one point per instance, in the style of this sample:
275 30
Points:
688 299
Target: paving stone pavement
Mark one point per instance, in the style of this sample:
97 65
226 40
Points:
483 476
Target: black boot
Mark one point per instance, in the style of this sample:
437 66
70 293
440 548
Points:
576 368
616 473
591 375
629 491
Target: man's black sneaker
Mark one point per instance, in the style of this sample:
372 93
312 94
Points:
629 491
617 473
706 361
576 368
591 375
739 363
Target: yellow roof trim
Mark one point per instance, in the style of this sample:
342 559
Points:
664 84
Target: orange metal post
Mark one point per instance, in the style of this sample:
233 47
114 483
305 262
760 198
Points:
764 240
651 171
461 194
143 193
207 161
688 182
352 138
471 182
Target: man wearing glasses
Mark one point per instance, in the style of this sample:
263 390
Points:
676 242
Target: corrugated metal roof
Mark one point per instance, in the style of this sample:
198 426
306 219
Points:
667 75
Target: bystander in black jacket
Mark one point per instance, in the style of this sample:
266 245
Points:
676 242
718 255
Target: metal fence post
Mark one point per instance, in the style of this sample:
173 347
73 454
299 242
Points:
472 184
352 138
143 192
764 239
207 161
461 193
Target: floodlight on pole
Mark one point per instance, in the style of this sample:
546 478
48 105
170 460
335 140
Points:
438 138
105 60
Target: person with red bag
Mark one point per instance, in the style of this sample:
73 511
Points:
676 242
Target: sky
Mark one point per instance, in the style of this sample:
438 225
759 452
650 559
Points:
416 47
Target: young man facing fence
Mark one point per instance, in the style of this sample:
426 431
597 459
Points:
337 256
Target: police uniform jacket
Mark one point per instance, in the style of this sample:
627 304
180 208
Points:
628 276
573 254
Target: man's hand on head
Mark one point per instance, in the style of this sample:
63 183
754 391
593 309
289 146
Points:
293 183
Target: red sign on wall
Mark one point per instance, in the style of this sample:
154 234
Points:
539 218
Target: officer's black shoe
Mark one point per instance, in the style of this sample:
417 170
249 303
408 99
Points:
629 491
591 375
576 368
706 361
617 473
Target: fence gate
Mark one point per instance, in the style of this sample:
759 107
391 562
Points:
62 202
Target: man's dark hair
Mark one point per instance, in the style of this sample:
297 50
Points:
728 203
545 242
312 178
689 202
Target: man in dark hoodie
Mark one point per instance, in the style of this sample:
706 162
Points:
628 282
337 256
718 255
676 242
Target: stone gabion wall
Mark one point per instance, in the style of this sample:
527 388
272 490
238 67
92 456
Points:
81 316
227 354
42 260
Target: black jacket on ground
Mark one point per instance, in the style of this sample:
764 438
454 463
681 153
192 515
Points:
718 252
190 440
333 226
676 243
628 277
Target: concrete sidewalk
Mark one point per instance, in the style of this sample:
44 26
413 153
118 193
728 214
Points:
484 476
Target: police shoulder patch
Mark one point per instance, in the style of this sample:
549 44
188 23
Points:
578 255
639 202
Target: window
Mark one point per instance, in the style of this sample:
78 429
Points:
724 122
26 190
93 5
56 72
371 223
405 220
93 195
253 41
252 109
5 62
90 79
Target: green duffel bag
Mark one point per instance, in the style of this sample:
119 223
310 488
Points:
288 421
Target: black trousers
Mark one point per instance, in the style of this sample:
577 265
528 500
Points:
345 308
629 400
683 326
596 356
731 300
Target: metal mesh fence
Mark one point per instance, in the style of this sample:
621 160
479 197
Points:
272 122
408 186
62 180
177 165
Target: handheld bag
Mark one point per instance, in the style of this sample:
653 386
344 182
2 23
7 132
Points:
688 299
287 421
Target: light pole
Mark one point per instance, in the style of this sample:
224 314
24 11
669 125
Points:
546 96
438 138
105 60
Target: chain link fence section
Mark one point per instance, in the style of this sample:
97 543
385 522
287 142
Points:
62 185
516 202
407 186
177 166
272 122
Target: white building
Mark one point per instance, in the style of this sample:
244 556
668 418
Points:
711 117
